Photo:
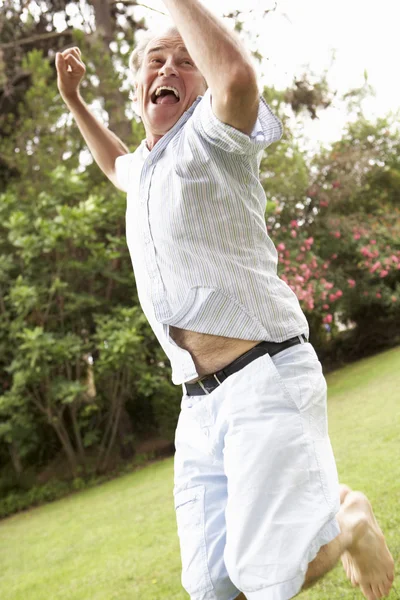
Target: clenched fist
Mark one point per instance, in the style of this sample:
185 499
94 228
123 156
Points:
70 71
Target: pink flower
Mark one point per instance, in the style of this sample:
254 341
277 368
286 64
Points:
293 223
375 267
324 203
281 247
384 273
373 242
325 306
378 295
334 256
332 297
339 294
357 236
351 283
328 286
394 298
293 233
366 252
327 319
337 234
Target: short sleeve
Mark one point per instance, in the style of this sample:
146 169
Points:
122 164
267 129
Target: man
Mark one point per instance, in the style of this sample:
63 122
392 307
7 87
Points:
259 509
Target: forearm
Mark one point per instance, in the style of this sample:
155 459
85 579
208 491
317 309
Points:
103 144
218 53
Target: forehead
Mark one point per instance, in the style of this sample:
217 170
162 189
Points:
166 42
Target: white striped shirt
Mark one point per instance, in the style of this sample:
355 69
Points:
195 227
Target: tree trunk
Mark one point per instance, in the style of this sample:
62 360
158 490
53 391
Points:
78 437
118 122
125 435
66 444
108 428
113 435
15 458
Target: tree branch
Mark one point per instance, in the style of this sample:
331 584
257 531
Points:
134 3
35 38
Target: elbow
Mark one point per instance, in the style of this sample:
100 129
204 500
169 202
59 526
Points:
244 77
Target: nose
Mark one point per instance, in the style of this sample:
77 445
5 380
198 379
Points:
168 68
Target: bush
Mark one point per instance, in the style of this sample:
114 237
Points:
17 501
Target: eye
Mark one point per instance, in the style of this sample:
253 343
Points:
156 60
188 62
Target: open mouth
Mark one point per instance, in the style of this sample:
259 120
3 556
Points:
165 96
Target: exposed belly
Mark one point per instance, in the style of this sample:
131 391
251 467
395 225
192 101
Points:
210 353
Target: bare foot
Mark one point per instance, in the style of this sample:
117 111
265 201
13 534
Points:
367 562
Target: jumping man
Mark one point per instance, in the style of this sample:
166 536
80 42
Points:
259 508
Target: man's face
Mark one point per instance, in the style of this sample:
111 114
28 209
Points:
166 62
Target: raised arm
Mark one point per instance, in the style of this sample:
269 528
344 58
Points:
222 59
104 145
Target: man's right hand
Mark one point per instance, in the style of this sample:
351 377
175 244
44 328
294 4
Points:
70 71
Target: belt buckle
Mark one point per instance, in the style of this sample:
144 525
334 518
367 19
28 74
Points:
202 385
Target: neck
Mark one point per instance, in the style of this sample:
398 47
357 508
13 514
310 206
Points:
151 140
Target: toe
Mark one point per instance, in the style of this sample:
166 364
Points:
353 578
366 591
387 586
383 591
346 566
377 590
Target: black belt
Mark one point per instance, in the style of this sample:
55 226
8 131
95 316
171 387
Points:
208 383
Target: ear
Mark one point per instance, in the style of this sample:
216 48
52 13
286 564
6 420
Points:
134 97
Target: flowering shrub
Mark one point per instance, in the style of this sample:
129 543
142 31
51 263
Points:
339 242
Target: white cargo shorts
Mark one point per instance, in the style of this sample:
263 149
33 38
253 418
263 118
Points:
256 487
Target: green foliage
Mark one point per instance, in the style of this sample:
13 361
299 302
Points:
17 501
21 499
74 344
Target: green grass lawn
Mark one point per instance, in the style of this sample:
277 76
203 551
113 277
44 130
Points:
118 541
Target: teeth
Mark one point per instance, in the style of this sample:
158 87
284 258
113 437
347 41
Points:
166 87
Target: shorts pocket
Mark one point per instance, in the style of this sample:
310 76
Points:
281 384
328 472
189 507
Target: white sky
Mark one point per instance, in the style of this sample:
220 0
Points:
300 33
